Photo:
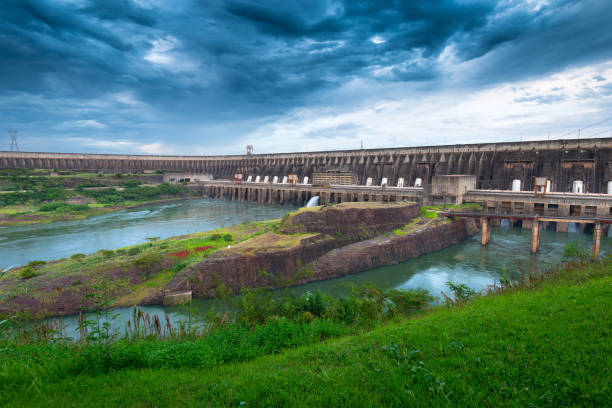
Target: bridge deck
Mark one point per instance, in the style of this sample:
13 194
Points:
576 219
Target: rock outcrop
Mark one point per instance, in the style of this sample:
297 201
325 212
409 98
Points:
340 249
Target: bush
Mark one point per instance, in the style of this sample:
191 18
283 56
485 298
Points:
462 293
131 183
28 272
134 251
113 196
62 207
574 251
147 262
106 253
77 256
36 264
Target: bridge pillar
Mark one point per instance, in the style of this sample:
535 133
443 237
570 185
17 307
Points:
596 240
535 234
485 231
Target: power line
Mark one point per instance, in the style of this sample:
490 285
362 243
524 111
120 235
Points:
584 127
601 132
13 135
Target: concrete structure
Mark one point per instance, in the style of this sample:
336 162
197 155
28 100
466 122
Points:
536 223
449 189
186 177
495 165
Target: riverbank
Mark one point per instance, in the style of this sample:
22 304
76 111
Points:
267 254
540 341
80 208
38 197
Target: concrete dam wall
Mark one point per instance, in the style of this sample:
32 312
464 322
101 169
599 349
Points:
496 165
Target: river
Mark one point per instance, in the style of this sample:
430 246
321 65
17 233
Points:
21 244
468 263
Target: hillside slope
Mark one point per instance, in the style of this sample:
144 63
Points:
543 347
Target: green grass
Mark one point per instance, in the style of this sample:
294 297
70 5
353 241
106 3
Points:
147 257
545 346
36 197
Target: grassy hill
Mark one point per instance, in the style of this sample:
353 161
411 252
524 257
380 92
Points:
544 342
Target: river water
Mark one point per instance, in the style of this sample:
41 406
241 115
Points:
21 244
468 263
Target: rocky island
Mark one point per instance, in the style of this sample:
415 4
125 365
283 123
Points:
313 243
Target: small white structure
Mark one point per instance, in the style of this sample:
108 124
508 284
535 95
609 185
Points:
275 180
578 187
257 179
400 182
369 181
306 180
610 187
418 182
516 185
185 177
384 181
548 186
284 179
249 179
266 179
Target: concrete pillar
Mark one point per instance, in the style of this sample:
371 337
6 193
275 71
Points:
535 235
563 212
485 231
596 240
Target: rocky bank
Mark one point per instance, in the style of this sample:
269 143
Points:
348 239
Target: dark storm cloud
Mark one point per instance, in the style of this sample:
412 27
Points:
213 62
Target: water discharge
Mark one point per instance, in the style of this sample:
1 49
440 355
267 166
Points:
313 202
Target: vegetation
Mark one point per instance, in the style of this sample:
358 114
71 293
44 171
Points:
542 340
133 273
34 196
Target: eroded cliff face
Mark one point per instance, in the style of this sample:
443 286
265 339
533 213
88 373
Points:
322 257
352 218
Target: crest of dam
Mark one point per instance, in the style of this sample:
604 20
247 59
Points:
495 165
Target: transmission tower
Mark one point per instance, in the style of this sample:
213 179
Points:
13 135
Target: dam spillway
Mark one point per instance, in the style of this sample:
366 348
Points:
495 165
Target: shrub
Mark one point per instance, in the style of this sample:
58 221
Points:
36 264
78 256
62 207
134 250
228 237
147 261
574 251
28 272
48 207
131 183
106 253
462 293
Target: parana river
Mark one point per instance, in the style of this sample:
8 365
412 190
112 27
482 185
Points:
468 262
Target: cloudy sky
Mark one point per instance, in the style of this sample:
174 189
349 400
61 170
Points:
211 76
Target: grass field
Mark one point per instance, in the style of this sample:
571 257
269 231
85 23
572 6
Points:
541 344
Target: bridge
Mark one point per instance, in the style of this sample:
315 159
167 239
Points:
496 166
535 221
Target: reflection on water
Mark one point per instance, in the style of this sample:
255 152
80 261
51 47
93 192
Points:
469 263
21 244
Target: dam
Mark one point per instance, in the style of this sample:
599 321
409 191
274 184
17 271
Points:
497 166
